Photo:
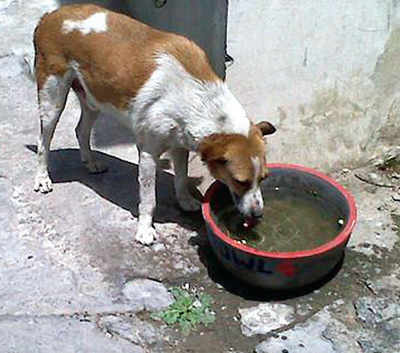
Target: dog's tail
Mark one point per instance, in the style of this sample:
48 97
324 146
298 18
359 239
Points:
29 61
28 64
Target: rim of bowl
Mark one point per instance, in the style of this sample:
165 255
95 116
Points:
342 237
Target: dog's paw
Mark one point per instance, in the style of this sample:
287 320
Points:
189 203
43 183
145 235
95 167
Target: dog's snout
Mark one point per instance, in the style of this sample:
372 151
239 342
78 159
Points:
251 204
257 208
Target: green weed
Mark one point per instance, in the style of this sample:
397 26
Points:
188 310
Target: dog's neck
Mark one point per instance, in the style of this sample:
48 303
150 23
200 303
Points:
222 114
194 108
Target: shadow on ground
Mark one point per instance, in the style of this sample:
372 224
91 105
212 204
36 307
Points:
230 283
119 185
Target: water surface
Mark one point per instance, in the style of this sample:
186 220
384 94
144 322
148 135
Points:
292 221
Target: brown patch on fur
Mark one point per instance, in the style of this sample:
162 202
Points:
114 64
229 158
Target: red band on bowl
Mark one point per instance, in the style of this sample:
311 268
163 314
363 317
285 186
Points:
339 240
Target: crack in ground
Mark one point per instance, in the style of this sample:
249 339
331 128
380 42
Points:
74 315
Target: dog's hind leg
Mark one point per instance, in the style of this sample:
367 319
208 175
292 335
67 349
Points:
83 131
52 96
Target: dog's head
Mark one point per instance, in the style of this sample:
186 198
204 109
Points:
239 162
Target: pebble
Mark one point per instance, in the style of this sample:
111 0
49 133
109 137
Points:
158 247
396 196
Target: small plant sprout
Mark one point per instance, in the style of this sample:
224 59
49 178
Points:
189 309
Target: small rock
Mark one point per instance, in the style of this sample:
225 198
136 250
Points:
396 196
264 318
388 155
158 247
147 294
391 154
377 162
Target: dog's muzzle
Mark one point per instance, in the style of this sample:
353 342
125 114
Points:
251 204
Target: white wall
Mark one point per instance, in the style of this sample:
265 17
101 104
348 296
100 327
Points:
325 72
314 68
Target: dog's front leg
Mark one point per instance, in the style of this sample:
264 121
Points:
145 232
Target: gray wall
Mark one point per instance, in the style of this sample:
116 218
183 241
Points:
204 21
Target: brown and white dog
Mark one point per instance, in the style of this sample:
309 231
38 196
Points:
158 84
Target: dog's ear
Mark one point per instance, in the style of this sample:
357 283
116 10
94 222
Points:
266 128
212 149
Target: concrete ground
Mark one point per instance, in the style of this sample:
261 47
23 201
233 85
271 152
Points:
72 278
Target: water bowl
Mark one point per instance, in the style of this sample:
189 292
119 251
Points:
307 223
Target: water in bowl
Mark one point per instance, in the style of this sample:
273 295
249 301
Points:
293 221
